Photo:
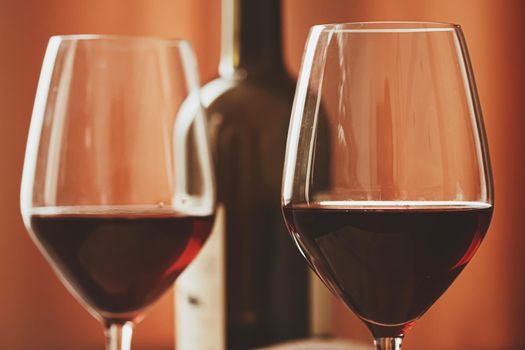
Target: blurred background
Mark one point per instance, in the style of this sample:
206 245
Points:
484 309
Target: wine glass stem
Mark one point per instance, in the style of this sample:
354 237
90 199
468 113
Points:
118 336
388 343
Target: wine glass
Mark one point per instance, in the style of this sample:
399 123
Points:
117 188
387 187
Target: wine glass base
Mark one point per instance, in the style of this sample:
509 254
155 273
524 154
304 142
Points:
380 331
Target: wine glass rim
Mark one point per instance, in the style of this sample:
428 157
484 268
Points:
388 27
120 38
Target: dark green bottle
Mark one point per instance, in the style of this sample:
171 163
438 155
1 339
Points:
249 287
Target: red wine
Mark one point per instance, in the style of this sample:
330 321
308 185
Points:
388 263
120 262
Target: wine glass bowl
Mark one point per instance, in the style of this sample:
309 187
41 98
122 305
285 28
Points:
117 188
387 187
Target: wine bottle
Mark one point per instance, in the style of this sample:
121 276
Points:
249 287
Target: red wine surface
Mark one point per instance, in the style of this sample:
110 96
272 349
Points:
388 262
120 262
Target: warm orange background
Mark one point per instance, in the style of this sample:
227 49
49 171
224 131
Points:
485 309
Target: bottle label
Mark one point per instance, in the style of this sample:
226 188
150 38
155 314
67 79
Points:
200 296
200 305
322 303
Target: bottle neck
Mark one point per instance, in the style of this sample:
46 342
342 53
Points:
250 38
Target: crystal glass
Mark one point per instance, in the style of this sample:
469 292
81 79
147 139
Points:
117 188
387 188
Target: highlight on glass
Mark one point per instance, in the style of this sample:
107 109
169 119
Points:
117 189
387 187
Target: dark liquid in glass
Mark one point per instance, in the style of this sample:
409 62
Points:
120 263
388 264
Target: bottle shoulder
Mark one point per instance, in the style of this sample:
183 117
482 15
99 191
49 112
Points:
247 91
260 104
